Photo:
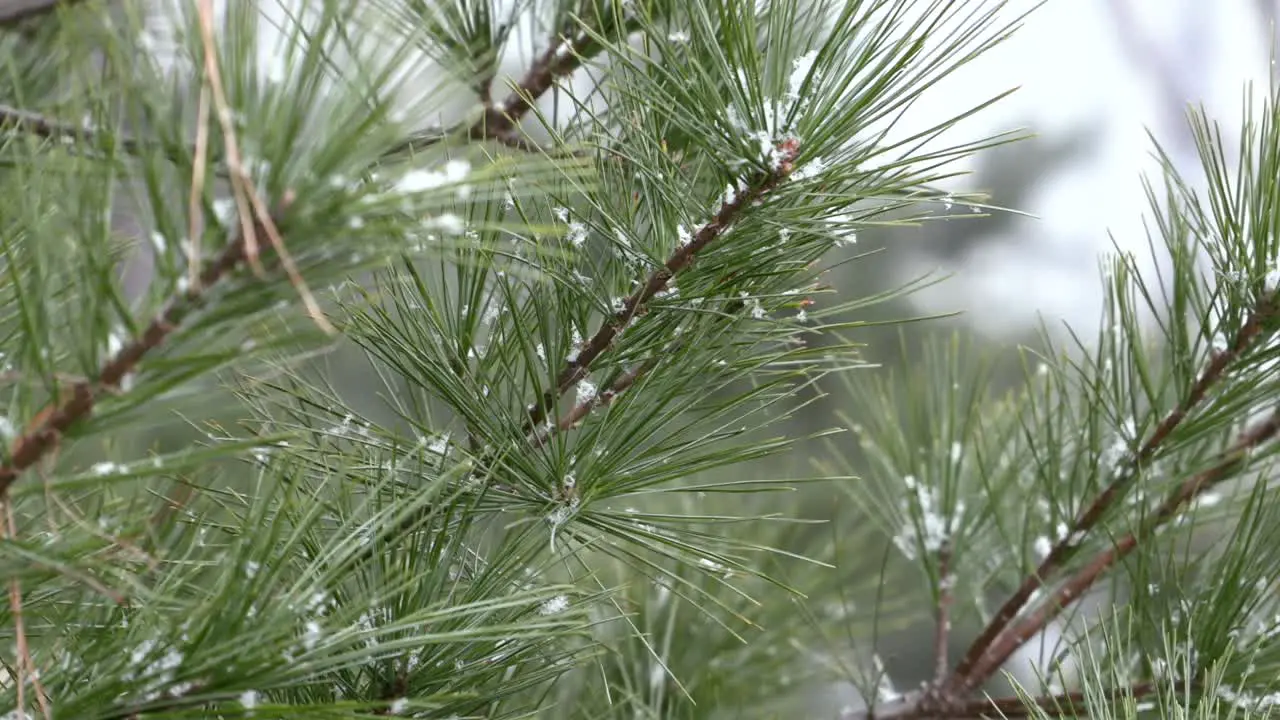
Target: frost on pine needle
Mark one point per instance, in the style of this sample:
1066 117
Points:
311 635
1271 282
435 444
1248 701
554 606
755 308
1114 455
926 528
1043 547
586 391
106 468
448 223
810 169
453 172
152 670
567 506
801 68
775 130
577 234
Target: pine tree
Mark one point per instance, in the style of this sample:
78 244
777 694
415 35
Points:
349 372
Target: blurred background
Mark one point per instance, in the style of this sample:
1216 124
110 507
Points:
1094 78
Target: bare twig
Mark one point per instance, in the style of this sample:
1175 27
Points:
964 675
500 121
46 127
25 663
252 212
195 206
213 81
559 60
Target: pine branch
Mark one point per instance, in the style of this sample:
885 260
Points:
965 676
43 432
577 368
500 120
1083 579
579 411
12 118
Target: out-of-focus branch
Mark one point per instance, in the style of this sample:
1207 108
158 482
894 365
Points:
13 12
43 432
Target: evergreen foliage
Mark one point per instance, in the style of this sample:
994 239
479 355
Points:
587 314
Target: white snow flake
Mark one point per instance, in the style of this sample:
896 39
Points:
554 606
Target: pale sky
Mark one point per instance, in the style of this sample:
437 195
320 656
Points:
1088 62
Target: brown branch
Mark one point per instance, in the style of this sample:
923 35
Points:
681 259
252 212
1065 547
500 121
579 411
14 12
559 60
43 431
942 631
1083 579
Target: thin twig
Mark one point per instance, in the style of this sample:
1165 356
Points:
250 208
19 629
213 80
1084 578
500 121
195 206
559 60
45 127
1066 546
